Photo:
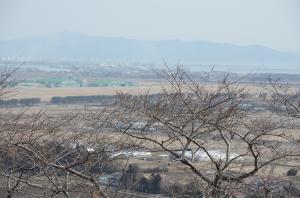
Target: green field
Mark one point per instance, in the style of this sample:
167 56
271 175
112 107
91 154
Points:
69 82
109 83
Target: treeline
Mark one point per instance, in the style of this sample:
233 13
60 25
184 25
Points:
81 99
90 99
57 100
71 100
20 102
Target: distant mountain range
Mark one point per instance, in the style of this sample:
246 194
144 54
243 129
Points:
75 46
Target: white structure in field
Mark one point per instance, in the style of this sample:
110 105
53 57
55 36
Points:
137 154
201 155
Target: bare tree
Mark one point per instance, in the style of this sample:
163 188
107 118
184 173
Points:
206 128
48 155
191 119
6 80
282 99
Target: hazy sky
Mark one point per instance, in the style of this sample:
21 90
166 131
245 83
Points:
273 23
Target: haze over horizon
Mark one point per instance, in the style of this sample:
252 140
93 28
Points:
271 23
81 47
66 33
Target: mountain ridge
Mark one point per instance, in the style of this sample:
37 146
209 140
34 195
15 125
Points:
77 46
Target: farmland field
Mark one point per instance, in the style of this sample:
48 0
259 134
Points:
47 93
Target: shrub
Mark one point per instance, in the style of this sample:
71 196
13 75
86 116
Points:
292 172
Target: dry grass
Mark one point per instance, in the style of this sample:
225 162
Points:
47 93
153 87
